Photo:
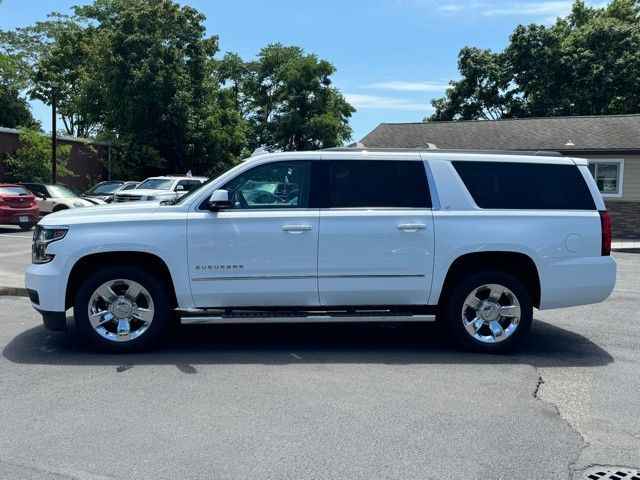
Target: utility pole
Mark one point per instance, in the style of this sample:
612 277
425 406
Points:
109 158
54 156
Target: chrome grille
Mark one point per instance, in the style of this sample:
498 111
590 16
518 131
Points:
127 198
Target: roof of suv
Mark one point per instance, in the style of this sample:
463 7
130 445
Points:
362 153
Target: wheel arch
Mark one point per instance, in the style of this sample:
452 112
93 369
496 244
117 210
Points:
143 260
520 265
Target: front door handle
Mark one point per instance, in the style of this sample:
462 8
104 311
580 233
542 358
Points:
411 227
296 228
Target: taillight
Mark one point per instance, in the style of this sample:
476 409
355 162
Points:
605 223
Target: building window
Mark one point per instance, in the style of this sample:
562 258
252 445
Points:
608 175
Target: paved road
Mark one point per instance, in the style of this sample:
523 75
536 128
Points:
322 401
15 255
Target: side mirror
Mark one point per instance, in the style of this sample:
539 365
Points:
219 200
179 188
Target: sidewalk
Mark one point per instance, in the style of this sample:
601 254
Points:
625 245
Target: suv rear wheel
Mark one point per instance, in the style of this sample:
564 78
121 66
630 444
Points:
121 309
488 312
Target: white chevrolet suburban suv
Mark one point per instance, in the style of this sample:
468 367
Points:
476 240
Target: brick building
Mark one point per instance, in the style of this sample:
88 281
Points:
87 159
611 143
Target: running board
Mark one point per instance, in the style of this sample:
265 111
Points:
199 317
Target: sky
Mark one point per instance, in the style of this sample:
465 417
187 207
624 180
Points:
392 56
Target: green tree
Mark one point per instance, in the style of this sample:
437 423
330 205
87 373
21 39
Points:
288 99
14 109
486 90
32 161
587 63
60 50
157 90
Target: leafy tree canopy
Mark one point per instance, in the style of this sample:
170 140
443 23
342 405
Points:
585 64
32 161
14 109
143 74
288 99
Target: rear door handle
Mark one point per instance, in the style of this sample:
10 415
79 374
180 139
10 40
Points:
296 228
411 227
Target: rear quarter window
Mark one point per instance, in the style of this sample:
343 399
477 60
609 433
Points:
525 186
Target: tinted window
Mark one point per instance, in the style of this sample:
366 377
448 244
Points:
13 191
375 183
507 185
275 185
37 189
189 185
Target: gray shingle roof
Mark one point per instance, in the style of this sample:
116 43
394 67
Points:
601 132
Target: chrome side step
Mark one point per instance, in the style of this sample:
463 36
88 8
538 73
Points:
198 317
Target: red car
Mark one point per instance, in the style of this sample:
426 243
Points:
18 206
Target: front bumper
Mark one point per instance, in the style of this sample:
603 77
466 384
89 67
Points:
56 321
50 284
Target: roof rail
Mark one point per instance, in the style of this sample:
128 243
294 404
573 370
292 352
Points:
544 153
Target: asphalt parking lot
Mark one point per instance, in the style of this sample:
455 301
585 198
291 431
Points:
321 401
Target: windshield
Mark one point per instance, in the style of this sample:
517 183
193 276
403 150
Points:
13 191
105 187
60 191
156 184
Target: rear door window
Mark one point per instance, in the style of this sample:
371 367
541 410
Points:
525 186
378 184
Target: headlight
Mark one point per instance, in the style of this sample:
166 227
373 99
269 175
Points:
43 236
78 204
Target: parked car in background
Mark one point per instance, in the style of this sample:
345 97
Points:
168 187
53 198
105 190
18 206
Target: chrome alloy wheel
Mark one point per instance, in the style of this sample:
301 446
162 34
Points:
120 310
491 313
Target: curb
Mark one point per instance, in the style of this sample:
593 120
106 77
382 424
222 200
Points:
13 292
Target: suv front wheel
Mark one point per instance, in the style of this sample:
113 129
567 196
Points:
488 312
121 309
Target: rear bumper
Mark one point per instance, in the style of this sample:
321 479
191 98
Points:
576 281
17 216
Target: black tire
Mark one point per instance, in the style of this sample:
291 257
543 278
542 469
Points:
26 226
60 207
159 326
452 312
